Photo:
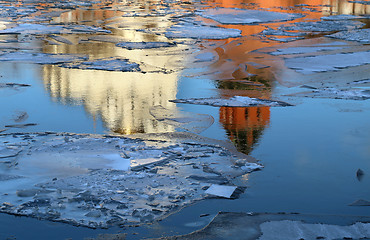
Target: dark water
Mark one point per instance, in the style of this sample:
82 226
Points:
311 151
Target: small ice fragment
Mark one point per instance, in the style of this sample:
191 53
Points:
144 45
360 202
106 64
221 190
201 32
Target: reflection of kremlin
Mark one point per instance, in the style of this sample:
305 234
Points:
244 125
121 100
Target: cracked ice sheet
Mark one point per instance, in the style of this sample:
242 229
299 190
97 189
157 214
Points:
106 64
40 58
326 63
245 16
322 26
201 32
359 35
86 179
236 101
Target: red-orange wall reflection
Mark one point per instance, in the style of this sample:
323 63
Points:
244 125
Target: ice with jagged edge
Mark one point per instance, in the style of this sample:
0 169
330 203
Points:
195 31
236 101
358 35
101 181
348 94
38 29
144 45
326 63
106 64
41 58
245 16
322 26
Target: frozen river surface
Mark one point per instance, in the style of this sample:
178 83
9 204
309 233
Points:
154 114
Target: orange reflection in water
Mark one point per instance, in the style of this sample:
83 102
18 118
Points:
244 125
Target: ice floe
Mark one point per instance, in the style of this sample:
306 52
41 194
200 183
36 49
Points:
106 64
329 62
38 29
349 94
102 181
236 101
322 26
245 16
144 45
40 58
341 17
192 122
359 35
305 49
201 32
281 226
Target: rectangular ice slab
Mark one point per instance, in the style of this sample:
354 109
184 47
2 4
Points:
221 190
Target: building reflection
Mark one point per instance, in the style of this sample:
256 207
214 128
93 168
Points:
120 100
244 126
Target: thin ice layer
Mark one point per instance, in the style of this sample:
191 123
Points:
144 45
322 26
349 94
35 28
245 16
106 64
201 32
192 122
325 63
236 101
40 58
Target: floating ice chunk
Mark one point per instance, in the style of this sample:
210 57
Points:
340 17
236 101
360 35
300 50
323 26
325 63
106 64
34 28
288 229
245 16
360 202
144 45
221 190
352 94
250 167
40 58
201 32
285 39
274 32
192 122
